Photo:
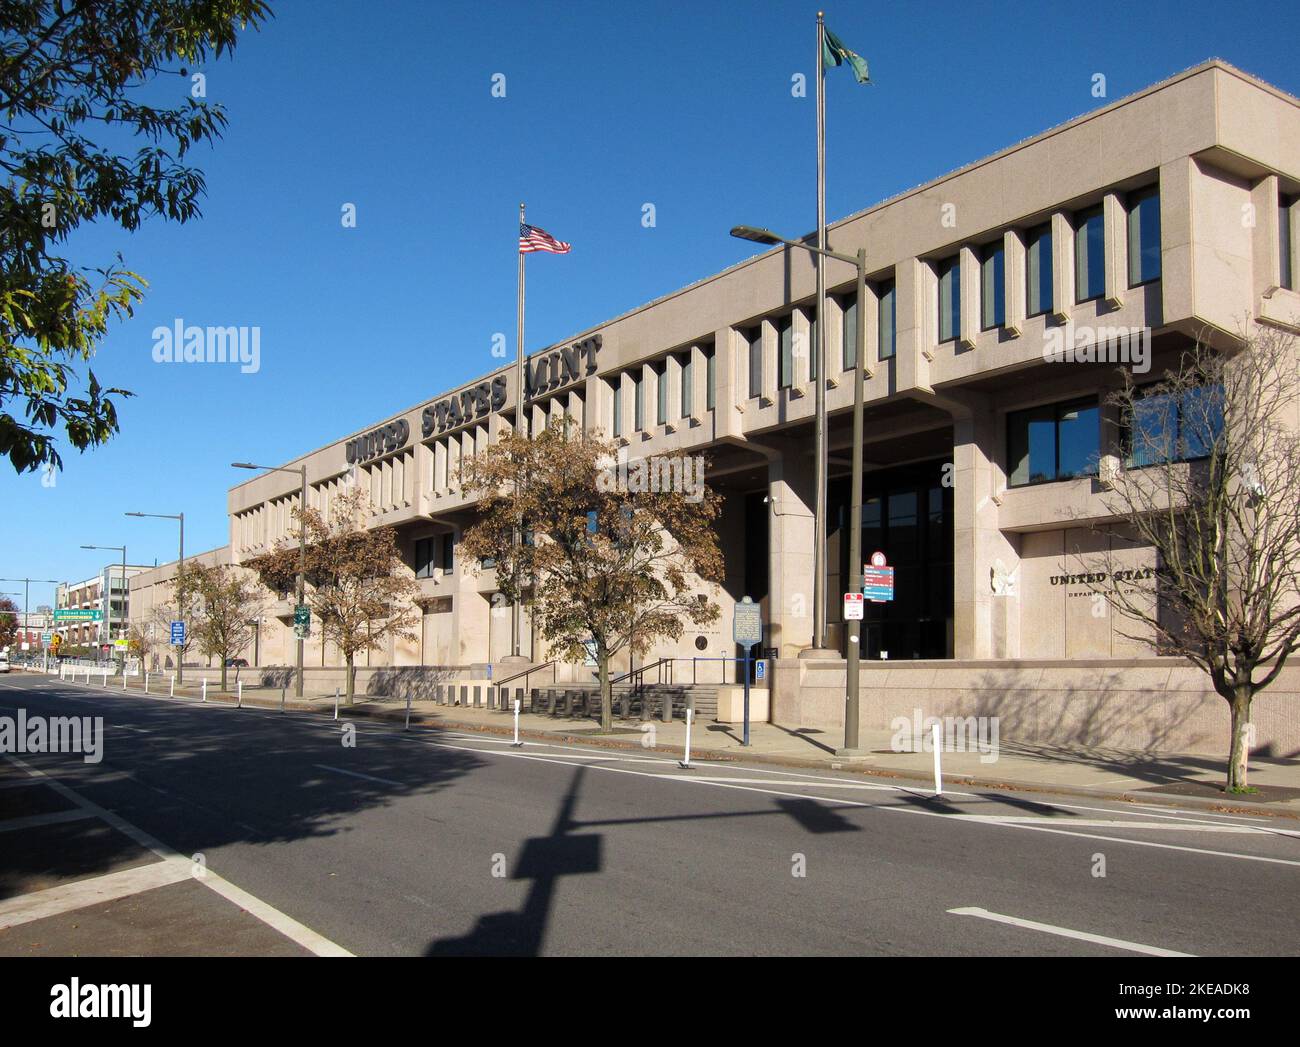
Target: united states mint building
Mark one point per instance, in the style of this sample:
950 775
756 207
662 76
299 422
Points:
1127 232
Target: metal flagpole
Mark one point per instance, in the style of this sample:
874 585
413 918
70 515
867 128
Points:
819 510
521 424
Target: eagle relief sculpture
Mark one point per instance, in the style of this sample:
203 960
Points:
1002 578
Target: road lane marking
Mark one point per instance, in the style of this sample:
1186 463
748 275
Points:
358 774
34 821
1066 932
77 895
272 917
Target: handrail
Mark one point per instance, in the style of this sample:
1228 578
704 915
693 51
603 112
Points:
643 669
528 672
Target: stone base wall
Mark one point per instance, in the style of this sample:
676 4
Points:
1154 704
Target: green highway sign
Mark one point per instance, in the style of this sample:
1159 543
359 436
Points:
302 621
74 615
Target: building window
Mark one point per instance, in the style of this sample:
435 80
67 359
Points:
448 553
1144 236
993 286
814 355
638 401
1089 254
886 320
949 272
710 379
688 382
1286 263
785 360
1056 442
618 405
424 557
754 345
1038 270
848 331
661 393
1166 427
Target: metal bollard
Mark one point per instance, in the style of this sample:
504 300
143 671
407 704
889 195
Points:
690 715
239 694
336 703
172 692
282 698
408 712
105 678
516 743
205 690
937 745
146 682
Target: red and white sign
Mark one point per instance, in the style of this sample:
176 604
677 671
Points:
878 579
853 605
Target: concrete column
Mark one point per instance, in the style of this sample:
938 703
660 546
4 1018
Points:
700 383
1176 239
984 626
790 564
801 349
917 320
672 374
1062 266
1013 253
1115 225
969 277
1265 244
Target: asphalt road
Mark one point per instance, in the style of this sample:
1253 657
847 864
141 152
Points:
439 842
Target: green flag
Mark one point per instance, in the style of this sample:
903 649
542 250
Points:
835 53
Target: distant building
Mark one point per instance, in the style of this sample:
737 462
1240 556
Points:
106 593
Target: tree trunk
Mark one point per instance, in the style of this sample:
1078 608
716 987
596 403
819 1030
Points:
223 674
606 691
1240 705
352 679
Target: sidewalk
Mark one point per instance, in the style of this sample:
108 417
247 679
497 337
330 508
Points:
1187 779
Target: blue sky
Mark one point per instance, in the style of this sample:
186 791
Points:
386 104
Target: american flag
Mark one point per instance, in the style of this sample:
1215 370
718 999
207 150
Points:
533 239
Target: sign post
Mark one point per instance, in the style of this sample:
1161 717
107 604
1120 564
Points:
747 630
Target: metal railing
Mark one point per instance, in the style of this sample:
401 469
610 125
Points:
527 673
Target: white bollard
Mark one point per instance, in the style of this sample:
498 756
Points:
937 744
336 703
124 674
516 743
205 691
105 678
408 712
690 715
172 693
239 688
146 681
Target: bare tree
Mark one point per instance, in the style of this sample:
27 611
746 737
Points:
614 563
1209 483
358 587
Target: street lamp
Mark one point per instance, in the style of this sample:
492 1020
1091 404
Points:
180 568
27 584
302 545
853 652
117 549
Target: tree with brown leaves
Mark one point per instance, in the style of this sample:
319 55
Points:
225 600
1210 482
605 562
358 587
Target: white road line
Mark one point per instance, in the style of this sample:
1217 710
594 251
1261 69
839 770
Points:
272 917
1066 932
77 895
358 774
35 821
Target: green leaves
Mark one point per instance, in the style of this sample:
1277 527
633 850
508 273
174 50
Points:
71 74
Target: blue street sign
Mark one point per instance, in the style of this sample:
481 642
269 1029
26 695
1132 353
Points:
760 670
178 634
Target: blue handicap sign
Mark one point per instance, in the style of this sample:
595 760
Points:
760 670
178 633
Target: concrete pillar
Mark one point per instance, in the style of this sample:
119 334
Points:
790 554
984 626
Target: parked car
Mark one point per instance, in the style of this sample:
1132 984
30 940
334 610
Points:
4 663
236 663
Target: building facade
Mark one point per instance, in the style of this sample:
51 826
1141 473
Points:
1164 217
107 593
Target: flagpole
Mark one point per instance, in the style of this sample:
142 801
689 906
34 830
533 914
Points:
521 424
819 386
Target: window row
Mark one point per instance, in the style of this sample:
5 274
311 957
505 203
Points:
433 555
676 372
